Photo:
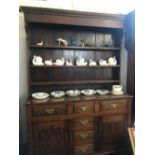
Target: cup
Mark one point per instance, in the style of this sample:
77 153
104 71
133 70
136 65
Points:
117 88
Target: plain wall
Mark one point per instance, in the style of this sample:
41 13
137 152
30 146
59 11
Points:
94 6
23 85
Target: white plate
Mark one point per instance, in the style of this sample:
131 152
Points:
57 94
102 91
117 93
73 93
40 95
88 92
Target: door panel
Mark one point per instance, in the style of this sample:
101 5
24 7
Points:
49 138
112 131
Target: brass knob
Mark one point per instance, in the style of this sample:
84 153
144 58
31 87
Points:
50 111
83 149
84 122
83 136
114 105
84 108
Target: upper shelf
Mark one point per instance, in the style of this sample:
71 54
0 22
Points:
73 82
74 47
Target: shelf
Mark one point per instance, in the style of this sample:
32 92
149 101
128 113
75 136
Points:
105 66
74 82
74 47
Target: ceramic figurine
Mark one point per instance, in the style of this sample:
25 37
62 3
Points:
64 42
60 62
108 41
72 42
102 62
112 61
40 44
69 63
37 60
80 61
48 62
92 63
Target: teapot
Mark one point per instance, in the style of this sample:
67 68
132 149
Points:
37 60
112 61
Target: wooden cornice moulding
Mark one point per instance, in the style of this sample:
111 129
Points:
69 17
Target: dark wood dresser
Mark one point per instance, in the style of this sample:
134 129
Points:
79 125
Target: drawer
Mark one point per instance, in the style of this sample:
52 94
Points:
84 137
83 123
84 149
83 107
114 105
50 110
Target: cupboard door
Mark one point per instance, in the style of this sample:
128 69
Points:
112 132
50 138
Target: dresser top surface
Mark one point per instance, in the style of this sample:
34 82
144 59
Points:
80 98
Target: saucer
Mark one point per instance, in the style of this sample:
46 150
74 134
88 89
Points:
117 93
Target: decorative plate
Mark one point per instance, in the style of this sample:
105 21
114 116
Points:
73 93
40 95
57 94
102 91
88 92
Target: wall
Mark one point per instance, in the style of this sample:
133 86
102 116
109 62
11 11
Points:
23 88
110 6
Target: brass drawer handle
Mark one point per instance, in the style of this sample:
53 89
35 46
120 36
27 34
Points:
50 111
84 122
83 149
114 105
83 136
84 108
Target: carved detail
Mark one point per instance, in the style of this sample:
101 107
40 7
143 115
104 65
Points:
112 129
49 140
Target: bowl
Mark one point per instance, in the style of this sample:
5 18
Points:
73 93
40 95
57 94
102 91
88 92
